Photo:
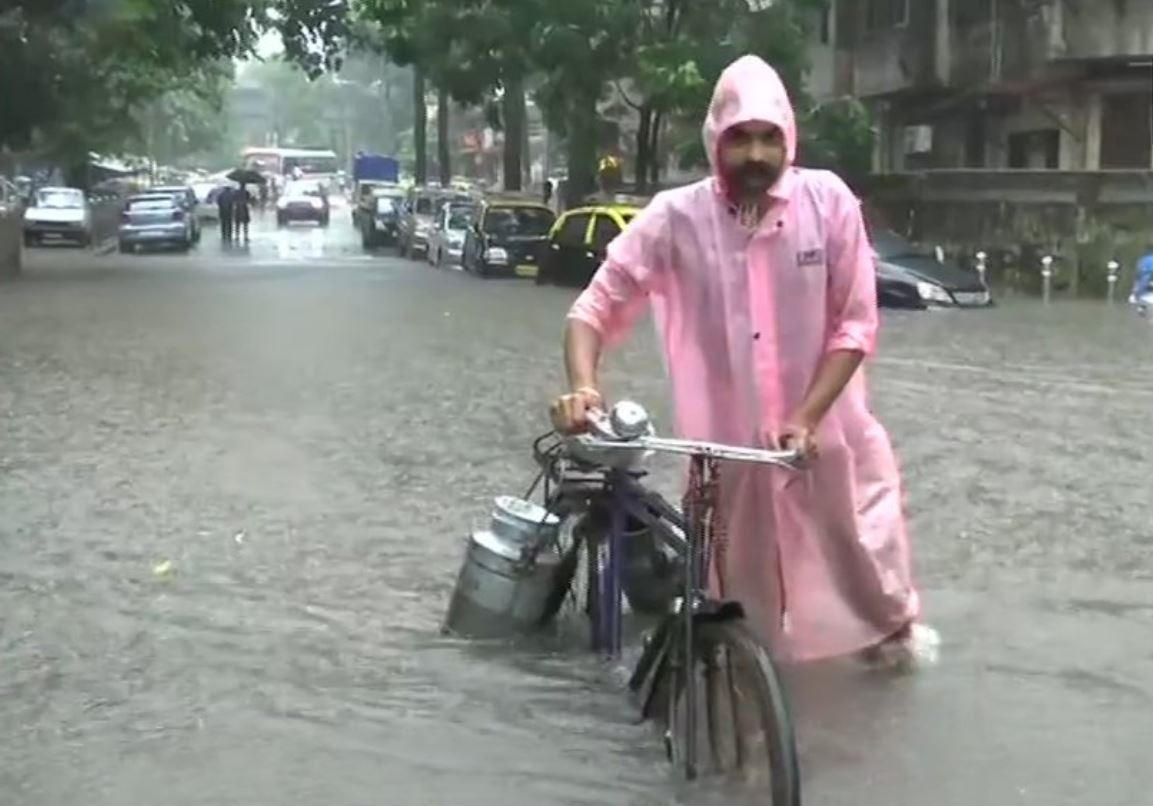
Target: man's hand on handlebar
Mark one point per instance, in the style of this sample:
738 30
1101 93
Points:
570 412
796 435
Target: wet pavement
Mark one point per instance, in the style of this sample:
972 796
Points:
234 487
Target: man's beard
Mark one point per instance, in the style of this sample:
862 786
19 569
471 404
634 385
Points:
749 181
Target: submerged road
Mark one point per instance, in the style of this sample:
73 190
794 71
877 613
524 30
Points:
234 486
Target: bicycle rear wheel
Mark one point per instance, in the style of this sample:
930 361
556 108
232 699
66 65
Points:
743 729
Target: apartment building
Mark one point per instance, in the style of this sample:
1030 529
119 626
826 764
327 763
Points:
995 84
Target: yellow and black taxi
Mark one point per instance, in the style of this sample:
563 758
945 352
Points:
508 236
577 242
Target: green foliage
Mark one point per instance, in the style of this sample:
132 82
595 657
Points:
80 75
839 135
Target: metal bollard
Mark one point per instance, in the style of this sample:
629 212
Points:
1046 277
1114 268
981 258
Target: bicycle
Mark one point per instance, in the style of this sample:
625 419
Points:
593 483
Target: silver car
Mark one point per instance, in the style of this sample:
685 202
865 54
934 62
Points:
155 219
446 239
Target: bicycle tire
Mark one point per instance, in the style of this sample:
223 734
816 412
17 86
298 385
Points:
766 704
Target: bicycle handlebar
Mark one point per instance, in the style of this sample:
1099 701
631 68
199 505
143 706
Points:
605 438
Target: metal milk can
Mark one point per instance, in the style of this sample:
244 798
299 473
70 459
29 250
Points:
507 574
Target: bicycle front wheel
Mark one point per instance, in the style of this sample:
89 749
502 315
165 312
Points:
743 731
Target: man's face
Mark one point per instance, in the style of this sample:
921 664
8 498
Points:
752 157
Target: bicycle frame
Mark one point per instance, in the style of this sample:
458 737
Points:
623 497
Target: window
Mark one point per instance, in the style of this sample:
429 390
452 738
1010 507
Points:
883 15
66 198
518 220
1126 130
458 218
604 230
572 231
423 205
1039 149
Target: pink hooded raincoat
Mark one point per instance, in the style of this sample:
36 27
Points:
819 558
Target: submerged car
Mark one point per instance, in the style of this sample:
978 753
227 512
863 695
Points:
449 230
155 219
302 200
58 214
577 242
913 278
508 237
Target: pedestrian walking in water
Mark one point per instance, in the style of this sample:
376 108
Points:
242 212
224 200
763 288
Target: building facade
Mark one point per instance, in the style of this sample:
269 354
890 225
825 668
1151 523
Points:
995 84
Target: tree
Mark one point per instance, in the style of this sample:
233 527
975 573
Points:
75 73
680 47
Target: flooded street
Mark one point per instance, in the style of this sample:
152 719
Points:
234 488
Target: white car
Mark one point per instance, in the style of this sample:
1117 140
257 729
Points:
58 215
449 228
206 207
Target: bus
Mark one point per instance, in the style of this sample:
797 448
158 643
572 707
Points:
313 163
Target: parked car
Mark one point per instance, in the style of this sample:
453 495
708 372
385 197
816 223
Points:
58 214
302 200
186 197
418 213
913 277
155 219
379 217
446 240
507 237
206 207
577 242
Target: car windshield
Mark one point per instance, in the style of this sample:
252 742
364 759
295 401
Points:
62 198
423 205
302 189
459 219
151 203
889 244
518 221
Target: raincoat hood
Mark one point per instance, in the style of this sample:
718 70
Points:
749 90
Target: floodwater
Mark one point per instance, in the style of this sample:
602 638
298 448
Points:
234 488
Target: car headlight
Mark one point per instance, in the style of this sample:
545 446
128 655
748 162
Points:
282 204
456 239
931 292
495 254
316 203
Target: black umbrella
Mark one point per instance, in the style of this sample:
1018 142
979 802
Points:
247 176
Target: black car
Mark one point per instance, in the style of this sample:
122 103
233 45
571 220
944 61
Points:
381 228
508 238
911 277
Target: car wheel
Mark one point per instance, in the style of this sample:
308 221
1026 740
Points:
29 240
125 248
84 241
280 222
324 221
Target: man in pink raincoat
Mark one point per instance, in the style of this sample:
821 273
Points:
762 286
